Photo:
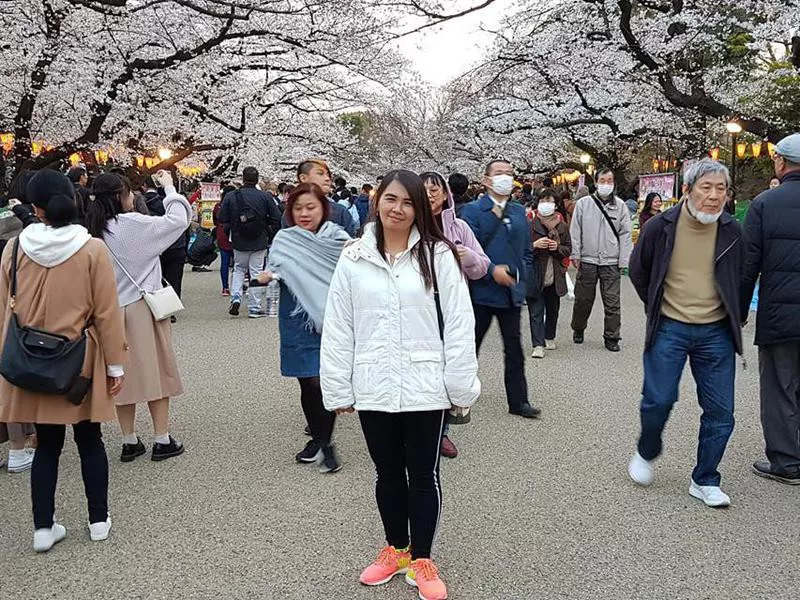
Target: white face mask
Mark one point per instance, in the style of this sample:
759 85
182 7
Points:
604 190
502 185
546 209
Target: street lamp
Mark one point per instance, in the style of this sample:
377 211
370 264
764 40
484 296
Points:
164 153
734 129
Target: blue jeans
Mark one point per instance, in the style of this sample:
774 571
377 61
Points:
712 356
226 256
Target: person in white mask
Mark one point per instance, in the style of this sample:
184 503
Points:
601 249
687 269
502 230
551 248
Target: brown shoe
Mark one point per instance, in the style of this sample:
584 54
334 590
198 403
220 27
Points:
448 448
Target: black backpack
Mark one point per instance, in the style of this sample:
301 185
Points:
249 224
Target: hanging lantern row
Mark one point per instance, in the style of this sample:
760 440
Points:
664 164
756 149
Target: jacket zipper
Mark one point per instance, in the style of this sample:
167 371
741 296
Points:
722 296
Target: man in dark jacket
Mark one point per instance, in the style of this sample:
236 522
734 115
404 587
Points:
251 218
362 204
772 235
173 258
503 232
687 268
317 171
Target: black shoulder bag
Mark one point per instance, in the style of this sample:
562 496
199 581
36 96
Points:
39 361
608 218
436 299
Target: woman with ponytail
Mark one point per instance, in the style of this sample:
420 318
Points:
135 242
64 285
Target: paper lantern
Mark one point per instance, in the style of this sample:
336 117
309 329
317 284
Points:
75 159
771 149
756 149
140 161
714 153
741 149
656 165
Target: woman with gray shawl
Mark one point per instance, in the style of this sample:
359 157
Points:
303 258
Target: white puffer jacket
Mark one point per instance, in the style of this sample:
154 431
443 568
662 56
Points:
381 348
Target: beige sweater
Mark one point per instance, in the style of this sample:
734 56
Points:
690 293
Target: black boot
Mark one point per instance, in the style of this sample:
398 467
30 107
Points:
577 336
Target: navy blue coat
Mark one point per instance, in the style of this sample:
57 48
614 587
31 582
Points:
653 253
300 344
772 236
362 206
511 246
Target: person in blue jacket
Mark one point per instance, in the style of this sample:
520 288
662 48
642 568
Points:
503 231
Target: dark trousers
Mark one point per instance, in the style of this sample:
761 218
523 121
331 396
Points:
779 365
509 321
226 256
44 474
320 421
586 291
543 315
712 357
172 269
405 450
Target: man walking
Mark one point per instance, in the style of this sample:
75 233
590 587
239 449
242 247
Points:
772 235
687 268
601 246
251 218
503 232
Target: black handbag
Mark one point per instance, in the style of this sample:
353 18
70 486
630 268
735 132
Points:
39 361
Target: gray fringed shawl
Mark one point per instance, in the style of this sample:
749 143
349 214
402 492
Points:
305 262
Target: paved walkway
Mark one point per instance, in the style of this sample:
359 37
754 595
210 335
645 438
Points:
532 509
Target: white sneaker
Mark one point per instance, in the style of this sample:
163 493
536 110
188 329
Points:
550 345
538 352
20 460
711 495
99 531
44 539
640 470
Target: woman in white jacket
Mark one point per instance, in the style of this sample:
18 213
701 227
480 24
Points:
401 357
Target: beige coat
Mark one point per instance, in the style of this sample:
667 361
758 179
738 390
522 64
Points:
61 300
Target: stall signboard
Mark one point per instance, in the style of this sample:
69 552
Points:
209 198
209 192
662 184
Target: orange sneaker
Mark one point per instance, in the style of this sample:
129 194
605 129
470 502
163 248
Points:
424 576
390 562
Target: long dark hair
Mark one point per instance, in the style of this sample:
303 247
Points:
108 190
648 202
429 231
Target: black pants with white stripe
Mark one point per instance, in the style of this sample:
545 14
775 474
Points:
405 450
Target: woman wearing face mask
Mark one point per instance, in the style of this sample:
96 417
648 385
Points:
303 258
474 263
399 347
552 246
652 206
135 242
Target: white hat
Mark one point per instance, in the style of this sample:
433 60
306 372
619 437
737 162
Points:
789 148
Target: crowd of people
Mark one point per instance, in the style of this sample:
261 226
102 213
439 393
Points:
385 299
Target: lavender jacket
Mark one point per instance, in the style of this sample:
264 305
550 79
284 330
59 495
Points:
475 264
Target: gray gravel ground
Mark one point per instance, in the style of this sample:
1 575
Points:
539 509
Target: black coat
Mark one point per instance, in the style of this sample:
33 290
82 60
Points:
155 205
653 253
263 204
772 236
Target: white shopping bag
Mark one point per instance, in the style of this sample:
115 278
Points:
570 287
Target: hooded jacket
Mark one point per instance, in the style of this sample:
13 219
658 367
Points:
64 281
381 344
475 264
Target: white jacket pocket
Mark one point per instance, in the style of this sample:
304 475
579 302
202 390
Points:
427 371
